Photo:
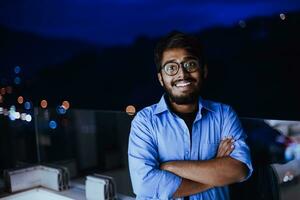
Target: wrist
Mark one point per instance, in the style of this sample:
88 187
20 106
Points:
167 166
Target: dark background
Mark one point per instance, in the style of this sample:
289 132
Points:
99 54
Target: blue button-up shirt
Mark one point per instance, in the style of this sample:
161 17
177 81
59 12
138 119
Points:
158 135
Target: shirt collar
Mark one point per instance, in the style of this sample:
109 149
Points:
162 106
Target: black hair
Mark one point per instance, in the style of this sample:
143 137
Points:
176 39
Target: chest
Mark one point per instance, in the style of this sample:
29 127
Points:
174 141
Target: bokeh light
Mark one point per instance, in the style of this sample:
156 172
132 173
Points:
130 110
17 115
66 104
17 80
282 16
20 100
23 116
17 69
27 105
52 124
44 103
61 110
5 112
28 118
12 108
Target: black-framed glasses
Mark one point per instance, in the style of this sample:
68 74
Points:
171 68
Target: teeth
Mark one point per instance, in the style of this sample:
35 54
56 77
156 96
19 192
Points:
182 84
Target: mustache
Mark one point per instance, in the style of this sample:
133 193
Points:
186 79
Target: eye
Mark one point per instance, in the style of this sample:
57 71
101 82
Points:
171 68
191 65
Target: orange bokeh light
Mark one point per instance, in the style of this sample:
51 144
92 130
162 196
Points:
130 110
66 105
44 103
20 99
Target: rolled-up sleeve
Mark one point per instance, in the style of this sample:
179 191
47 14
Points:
232 127
148 181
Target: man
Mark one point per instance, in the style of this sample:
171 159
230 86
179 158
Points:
185 146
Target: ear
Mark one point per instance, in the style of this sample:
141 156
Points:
160 79
205 71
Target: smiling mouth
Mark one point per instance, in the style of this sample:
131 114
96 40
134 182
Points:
183 83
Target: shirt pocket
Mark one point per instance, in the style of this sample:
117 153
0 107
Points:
208 151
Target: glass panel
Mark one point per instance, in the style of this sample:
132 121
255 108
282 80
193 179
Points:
89 141
86 141
17 144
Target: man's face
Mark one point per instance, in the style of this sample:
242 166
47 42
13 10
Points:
183 87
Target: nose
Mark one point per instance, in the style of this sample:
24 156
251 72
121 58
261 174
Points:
182 73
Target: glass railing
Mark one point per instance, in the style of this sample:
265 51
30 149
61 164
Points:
92 141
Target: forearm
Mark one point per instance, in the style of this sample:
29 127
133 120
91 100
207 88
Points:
188 187
216 172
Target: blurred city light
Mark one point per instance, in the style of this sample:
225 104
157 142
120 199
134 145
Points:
61 110
44 104
20 100
23 116
17 115
52 124
130 110
17 69
66 105
12 108
28 118
17 80
282 16
27 105
11 116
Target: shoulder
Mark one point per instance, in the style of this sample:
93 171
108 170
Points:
145 116
217 107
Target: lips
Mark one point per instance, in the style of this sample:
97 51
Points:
183 83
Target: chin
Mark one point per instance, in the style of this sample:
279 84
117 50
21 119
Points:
184 99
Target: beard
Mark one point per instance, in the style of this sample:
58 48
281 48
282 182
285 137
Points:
183 99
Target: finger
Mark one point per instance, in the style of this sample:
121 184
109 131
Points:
229 149
224 145
221 147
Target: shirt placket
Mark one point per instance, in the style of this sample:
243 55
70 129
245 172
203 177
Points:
186 139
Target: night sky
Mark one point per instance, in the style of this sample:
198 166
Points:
116 22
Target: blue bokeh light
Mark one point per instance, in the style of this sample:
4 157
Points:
53 124
27 105
61 110
17 80
17 69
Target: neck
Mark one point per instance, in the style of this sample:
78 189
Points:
184 108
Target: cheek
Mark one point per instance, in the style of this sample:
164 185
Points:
166 81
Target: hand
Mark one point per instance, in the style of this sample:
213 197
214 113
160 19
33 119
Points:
226 147
164 166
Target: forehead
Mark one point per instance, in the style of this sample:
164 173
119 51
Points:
175 54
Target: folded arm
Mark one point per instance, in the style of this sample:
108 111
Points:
189 187
215 172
